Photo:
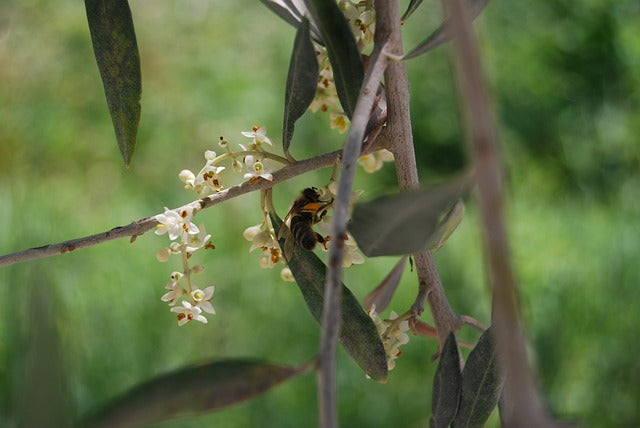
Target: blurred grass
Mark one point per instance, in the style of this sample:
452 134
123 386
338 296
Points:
565 86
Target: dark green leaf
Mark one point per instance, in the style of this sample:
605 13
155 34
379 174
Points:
116 50
444 32
446 385
413 5
302 82
358 333
192 390
348 70
383 293
402 223
481 384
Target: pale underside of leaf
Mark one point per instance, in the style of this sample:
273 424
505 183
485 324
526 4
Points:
444 32
402 223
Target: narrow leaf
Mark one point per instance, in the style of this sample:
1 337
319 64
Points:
285 10
358 333
116 51
444 33
481 384
192 390
302 81
348 70
413 5
447 225
446 385
383 293
402 223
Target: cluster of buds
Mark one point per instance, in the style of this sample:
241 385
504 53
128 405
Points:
186 238
393 332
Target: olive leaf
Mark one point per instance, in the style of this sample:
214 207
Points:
116 51
446 385
413 5
302 81
192 390
358 334
405 222
444 32
382 294
348 69
447 226
481 384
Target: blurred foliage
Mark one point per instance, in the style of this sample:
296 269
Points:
566 89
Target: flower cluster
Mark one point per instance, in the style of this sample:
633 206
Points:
252 159
187 238
393 333
263 237
361 17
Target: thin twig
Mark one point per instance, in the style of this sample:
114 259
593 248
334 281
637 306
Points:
399 132
526 407
143 225
333 285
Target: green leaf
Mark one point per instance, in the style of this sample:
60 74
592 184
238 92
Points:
402 223
444 32
358 333
413 5
302 82
447 226
383 293
446 385
285 10
481 384
348 69
116 50
192 390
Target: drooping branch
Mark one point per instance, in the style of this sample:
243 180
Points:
525 407
400 133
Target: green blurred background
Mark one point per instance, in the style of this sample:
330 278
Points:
80 329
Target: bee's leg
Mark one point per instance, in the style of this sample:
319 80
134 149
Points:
323 240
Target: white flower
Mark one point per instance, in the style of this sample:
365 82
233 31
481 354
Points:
351 254
392 333
256 169
271 256
251 231
197 241
203 299
175 290
188 313
176 224
373 161
258 135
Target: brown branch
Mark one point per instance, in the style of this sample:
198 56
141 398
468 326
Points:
526 408
333 285
143 225
399 132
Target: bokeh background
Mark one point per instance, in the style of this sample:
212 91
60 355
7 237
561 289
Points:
80 329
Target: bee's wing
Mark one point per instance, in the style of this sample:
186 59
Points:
289 246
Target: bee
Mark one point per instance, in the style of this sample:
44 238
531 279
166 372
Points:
306 211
